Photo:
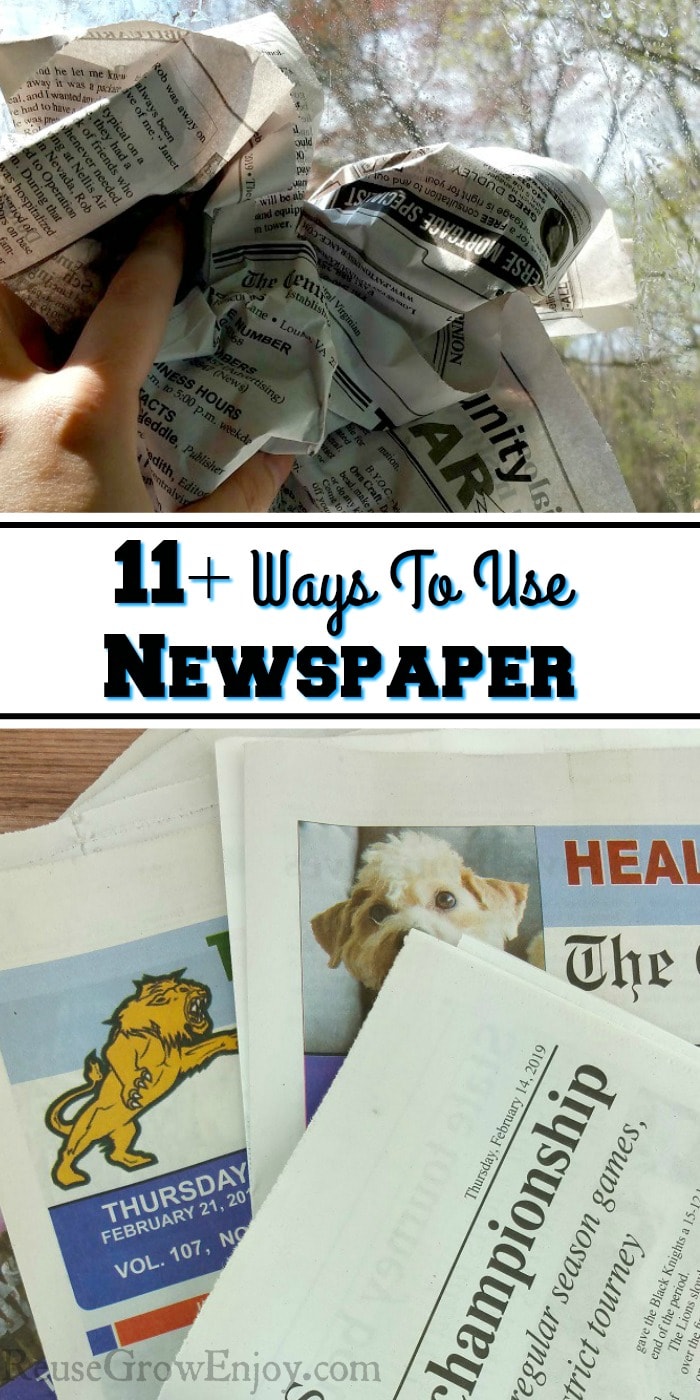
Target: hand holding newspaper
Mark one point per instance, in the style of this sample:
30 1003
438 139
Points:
383 331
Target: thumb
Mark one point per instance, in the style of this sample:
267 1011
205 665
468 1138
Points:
252 488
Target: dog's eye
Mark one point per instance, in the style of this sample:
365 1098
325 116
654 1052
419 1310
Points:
444 899
379 912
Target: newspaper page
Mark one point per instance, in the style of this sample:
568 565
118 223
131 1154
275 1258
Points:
123 113
323 326
230 763
525 442
123 777
24 1372
157 762
472 225
586 863
499 1197
154 760
150 775
598 292
123 1177
429 238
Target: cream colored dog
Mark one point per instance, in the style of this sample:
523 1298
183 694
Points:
416 881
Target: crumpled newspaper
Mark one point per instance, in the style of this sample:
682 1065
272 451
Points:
410 285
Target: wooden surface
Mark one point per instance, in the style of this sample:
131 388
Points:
43 770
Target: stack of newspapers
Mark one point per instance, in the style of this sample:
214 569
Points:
467 961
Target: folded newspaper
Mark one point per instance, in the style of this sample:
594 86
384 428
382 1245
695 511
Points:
123 1173
391 332
136 854
498 1198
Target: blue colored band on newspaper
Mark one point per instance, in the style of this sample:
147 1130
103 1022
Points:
150 1234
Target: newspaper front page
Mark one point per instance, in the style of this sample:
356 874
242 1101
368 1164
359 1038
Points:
584 863
123 1177
157 764
322 327
498 1197
147 789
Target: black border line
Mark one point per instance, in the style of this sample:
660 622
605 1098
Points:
482 1202
173 522
359 717
530 520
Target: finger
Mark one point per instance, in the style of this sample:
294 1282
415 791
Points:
122 336
16 322
252 488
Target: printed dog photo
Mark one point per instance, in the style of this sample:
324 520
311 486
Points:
363 888
415 880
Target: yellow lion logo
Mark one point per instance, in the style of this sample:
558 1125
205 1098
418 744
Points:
158 1035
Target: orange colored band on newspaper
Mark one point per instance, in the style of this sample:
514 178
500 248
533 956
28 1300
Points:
160 1320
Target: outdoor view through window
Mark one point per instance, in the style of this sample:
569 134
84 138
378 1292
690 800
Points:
608 86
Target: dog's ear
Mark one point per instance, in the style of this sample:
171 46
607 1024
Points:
518 891
512 890
480 886
331 928
475 885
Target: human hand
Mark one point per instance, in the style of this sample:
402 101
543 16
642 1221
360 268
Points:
68 436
